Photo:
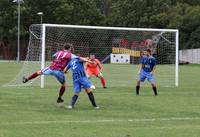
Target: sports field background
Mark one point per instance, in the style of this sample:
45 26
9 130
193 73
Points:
32 112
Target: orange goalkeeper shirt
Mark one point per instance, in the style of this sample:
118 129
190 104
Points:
95 66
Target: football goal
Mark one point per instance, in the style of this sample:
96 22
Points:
104 42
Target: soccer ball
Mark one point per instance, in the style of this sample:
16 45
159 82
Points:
93 87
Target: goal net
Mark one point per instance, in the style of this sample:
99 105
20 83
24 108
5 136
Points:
103 42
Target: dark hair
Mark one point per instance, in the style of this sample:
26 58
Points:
67 46
148 50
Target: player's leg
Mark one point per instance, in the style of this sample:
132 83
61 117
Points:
73 100
100 76
91 97
141 78
61 79
46 71
77 90
138 87
87 86
150 78
32 76
154 89
61 93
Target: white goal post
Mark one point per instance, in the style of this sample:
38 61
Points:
110 28
165 41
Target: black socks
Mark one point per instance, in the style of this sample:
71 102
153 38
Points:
73 101
92 99
155 91
137 90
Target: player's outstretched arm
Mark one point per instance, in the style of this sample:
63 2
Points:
153 70
85 60
66 69
100 65
81 58
154 66
139 68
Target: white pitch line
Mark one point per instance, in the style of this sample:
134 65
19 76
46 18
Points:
103 121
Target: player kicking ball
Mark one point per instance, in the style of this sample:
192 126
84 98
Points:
61 59
95 69
80 80
146 70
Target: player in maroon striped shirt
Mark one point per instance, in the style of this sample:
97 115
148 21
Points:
61 59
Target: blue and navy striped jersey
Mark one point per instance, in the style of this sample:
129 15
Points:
77 68
148 62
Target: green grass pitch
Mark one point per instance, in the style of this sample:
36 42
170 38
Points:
32 112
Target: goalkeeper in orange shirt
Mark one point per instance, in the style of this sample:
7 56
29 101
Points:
95 69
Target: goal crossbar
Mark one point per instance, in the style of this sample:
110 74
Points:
109 28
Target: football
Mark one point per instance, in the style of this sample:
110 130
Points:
93 87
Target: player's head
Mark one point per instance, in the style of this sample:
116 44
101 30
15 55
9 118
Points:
144 52
92 56
148 52
67 46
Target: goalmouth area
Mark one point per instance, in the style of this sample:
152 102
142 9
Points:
46 39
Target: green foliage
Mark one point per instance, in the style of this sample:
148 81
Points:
181 14
55 11
83 12
184 17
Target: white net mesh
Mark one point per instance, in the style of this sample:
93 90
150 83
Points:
103 42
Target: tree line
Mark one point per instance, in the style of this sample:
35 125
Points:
175 14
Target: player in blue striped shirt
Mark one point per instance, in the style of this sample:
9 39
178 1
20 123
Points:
146 71
80 80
